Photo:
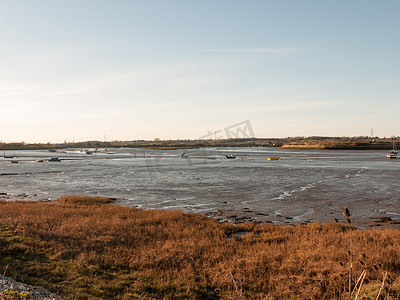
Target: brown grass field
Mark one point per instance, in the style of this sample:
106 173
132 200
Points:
83 248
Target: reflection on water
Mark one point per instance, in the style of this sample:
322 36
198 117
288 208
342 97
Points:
302 185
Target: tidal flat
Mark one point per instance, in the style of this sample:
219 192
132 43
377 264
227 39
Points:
303 186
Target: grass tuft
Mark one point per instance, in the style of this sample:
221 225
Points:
84 200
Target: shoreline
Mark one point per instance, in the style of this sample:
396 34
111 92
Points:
237 216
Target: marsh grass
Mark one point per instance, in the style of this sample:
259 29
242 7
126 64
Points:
84 200
112 252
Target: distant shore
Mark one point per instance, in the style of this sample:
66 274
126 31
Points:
320 143
338 146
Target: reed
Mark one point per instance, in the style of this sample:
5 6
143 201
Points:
347 214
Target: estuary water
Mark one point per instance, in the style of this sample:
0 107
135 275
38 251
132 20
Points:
303 186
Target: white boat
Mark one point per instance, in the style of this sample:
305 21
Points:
392 154
230 156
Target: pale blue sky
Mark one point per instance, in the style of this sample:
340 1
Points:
79 70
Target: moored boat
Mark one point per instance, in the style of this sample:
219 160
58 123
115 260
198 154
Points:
273 158
230 156
393 154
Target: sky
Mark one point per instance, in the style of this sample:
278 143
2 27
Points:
77 70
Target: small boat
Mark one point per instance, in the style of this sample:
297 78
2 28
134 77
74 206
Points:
273 158
54 159
89 152
392 154
39 160
52 150
230 156
184 155
15 161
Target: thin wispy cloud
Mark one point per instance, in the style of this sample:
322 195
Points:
254 50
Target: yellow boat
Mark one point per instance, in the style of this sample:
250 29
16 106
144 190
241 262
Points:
273 158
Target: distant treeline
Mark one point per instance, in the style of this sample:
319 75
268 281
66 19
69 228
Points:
314 142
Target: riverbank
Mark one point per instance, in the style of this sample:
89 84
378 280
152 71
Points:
83 249
378 220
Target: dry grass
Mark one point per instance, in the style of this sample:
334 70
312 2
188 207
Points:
84 200
112 252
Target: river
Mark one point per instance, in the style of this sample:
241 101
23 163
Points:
303 186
